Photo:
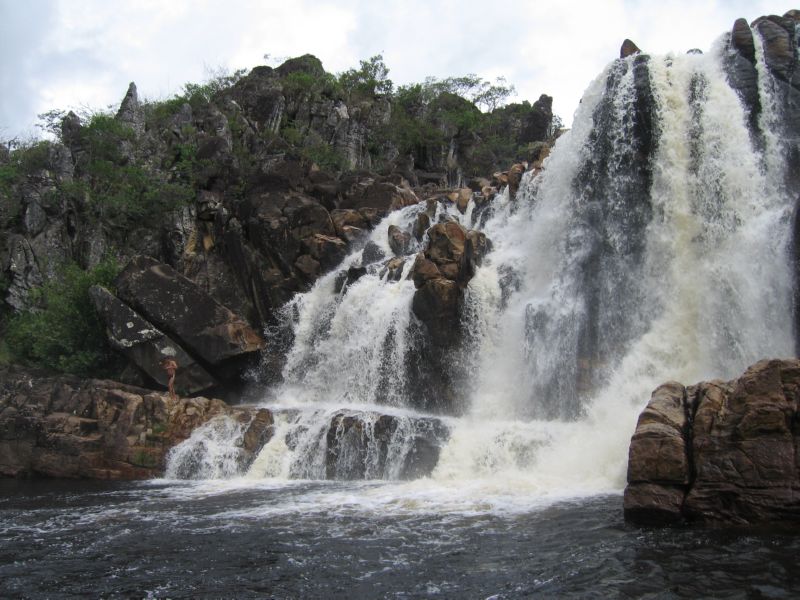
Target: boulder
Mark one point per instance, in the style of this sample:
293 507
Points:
381 194
399 240
349 223
514 177
421 225
742 40
461 198
145 346
327 250
719 452
175 305
446 243
437 304
423 270
393 269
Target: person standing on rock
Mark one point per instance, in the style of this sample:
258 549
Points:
170 365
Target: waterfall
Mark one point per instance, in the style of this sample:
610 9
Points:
653 246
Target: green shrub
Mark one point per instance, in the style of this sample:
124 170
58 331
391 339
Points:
325 156
102 138
32 157
63 331
369 80
9 205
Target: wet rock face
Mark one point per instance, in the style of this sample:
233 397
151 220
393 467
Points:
358 446
719 451
69 427
440 274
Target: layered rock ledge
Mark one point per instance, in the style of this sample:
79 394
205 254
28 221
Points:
89 428
719 452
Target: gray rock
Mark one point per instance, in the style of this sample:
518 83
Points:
24 271
178 307
146 346
131 112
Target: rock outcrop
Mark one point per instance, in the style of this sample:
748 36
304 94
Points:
146 346
214 334
719 451
69 427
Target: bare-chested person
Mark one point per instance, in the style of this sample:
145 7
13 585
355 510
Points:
170 365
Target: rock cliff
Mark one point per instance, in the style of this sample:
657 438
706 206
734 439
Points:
233 197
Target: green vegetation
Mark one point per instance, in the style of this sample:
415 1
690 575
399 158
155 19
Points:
369 80
123 182
62 332
200 94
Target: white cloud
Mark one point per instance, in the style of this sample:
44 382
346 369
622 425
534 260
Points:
60 54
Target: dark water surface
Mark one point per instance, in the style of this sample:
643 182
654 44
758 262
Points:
71 539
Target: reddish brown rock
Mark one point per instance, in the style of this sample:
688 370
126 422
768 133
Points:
461 198
515 178
399 240
327 250
68 427
423 270
719 452
421 225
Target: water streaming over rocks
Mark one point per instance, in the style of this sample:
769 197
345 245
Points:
653 246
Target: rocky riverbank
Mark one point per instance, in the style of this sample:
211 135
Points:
70 427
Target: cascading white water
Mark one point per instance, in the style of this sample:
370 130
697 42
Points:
605 280
213 451
715 280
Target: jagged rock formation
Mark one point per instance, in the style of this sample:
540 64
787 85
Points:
68 427
250 191
719 451
780 41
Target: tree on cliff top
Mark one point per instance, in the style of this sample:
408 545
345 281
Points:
370 79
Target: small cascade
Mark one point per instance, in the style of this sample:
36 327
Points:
337 443
213 451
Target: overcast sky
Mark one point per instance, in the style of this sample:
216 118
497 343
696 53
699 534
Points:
72 53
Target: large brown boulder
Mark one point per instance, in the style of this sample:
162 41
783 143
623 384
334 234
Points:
361 190
69 427
719 451
440 274
208 330
628 48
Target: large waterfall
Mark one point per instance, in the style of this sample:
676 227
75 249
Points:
653 246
